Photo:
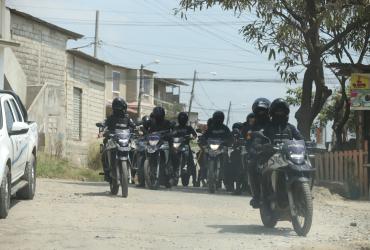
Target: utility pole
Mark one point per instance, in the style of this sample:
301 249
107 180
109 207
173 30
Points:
96 42
228 115
192 93
140 92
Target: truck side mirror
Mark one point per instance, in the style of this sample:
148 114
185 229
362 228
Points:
19 128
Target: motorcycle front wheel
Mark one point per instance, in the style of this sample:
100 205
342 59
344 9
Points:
150 173
113 184
211 176
124 178
303 203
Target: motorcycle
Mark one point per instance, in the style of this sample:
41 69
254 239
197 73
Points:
138 152
238 163
116 154
286 184
216 155
156 170
180 152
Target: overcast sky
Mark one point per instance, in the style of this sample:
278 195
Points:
139 31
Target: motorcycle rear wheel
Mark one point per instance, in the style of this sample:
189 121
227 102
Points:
267 216
114 187
303 202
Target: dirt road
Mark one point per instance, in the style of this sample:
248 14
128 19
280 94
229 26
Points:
81 215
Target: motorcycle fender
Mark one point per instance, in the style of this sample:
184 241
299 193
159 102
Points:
166 154
298 179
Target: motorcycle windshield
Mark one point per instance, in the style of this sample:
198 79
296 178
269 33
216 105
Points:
154 137
295 150
123 133
214 142
177 140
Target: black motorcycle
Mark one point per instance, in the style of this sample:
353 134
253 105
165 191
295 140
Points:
115 152
286 184
216 157
138 153
238 154
156 170
180 157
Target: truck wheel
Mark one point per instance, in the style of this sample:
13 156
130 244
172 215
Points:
5 191
28 192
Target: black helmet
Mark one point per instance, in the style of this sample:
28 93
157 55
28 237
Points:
159 114
250 116
182 118
237 125
279 111
146 122
261 104
209 122
218 118
279 105
119 105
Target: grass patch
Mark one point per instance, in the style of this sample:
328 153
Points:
51 167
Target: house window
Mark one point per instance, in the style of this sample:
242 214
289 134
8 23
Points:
146 85
116 76
77 113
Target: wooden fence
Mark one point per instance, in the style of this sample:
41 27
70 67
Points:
349 167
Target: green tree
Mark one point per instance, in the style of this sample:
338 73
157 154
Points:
296 33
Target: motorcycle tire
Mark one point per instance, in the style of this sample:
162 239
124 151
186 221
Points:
114 182
140 170
302 198
267 216
211 177
114 187
185 179
124 178
147 174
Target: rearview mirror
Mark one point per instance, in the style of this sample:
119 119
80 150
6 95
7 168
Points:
19 128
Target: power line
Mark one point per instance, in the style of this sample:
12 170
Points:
144 24
206 94
213 34
180 58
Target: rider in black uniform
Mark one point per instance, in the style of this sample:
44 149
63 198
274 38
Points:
182 130
260 108
279 127
119 119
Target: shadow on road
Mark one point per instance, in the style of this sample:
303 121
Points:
252 229
14 202
82 183
99 194
198 190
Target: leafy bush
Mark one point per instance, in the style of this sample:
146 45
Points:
53 167
94 157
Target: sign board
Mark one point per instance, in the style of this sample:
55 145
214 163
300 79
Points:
360 91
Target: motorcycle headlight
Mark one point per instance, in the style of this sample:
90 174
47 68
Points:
176 144
123 141
297 158
153 142
214 146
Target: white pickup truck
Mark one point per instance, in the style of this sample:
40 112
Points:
18 147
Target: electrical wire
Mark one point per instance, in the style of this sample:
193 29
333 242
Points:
180 58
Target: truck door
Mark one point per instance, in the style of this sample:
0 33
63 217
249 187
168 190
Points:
15 142
23 142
